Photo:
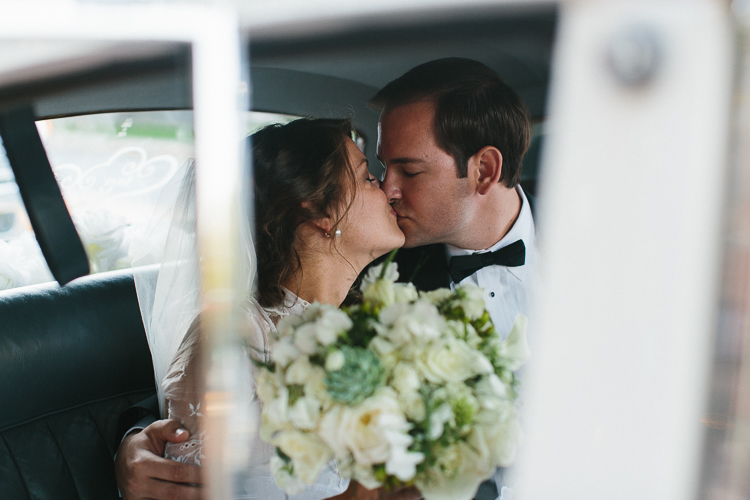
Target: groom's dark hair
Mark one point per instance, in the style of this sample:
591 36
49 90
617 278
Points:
474 108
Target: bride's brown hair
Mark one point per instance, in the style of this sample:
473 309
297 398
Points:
302 172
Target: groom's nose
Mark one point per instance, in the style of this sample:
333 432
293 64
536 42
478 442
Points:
390 187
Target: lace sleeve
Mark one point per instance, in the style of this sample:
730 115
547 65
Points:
183 392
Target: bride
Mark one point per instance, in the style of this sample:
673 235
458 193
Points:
320 219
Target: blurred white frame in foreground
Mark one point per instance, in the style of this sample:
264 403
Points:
57 39
631 219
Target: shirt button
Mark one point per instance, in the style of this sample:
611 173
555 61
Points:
492 294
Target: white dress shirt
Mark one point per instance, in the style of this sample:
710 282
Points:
507 290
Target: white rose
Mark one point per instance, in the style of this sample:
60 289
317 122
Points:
491 385
284 352
288 324
330 424
436 296
286 481
308 453
299 371
312 312
366 430
373 274
265 386
405 378
331 324
465 332
275 415
502 433
382 292
483 365
389 355
305 338
449 361
408 322
514 350
473 302
305 413
438 419
459 471
335 361
405 292
382 346
413 405
315 387
363 474
403 463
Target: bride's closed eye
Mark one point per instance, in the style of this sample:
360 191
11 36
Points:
373 180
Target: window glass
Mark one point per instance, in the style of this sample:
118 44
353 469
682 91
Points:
21 260
111 168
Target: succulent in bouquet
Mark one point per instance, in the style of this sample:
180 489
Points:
402 389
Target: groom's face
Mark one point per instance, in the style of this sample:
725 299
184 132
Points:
421 179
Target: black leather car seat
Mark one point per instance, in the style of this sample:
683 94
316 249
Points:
71 360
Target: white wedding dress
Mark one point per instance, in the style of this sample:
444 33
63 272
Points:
182 390
169 298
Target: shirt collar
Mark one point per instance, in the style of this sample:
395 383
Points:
522 229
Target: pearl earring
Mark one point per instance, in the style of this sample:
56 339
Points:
336 233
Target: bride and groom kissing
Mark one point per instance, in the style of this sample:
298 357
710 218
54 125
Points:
452 136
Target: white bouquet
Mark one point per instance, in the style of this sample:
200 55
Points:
403 389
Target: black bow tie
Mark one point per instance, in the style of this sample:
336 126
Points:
513 255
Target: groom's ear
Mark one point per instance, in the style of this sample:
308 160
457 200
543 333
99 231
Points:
486 167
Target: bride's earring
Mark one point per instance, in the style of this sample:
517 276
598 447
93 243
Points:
336 233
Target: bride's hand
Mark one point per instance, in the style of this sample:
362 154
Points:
358 492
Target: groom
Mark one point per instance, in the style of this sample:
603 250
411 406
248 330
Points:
452 136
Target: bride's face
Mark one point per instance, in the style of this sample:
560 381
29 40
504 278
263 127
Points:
370 227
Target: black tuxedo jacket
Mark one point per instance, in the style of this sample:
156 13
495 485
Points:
424 266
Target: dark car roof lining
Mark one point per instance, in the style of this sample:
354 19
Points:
516 43
327 75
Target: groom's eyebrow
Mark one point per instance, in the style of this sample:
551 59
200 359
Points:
403 160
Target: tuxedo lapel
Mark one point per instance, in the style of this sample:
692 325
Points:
424 266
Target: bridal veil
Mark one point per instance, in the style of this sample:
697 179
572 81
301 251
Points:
167 278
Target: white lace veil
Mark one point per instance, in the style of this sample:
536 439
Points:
167 279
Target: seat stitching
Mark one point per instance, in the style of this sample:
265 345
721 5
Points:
65 460
20 474
101 434
122 394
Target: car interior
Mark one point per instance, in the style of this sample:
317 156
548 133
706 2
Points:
73 354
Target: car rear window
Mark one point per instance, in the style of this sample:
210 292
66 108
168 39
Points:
111 168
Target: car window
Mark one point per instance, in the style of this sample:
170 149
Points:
111 168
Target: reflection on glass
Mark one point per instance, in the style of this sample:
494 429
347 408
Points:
111 168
